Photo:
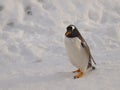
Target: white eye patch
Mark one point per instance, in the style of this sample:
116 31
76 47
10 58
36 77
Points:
73 27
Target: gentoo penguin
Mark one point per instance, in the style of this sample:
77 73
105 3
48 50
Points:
78 51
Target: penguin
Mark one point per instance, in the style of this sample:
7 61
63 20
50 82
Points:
78 51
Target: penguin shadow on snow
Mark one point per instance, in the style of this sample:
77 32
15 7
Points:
90 72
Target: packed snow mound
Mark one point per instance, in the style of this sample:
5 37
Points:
32 52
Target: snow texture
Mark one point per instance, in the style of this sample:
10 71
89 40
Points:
32 51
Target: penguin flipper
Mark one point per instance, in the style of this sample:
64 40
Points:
87 49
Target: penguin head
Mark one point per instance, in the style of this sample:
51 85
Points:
72 31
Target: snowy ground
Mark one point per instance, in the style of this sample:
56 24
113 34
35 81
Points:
32 52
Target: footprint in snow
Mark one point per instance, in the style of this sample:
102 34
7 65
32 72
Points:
1 8
47 5
28 10
11 24
38 61
40 0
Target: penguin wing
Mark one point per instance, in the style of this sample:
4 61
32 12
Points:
87 49
84 45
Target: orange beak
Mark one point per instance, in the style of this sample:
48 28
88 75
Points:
67 33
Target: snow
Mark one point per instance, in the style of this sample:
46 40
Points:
32 51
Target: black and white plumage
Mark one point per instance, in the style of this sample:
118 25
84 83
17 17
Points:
78 50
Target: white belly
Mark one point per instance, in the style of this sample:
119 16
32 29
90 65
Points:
78 57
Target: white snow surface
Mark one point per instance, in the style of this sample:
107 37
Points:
32 51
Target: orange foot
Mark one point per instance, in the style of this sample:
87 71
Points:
77 71
79 75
